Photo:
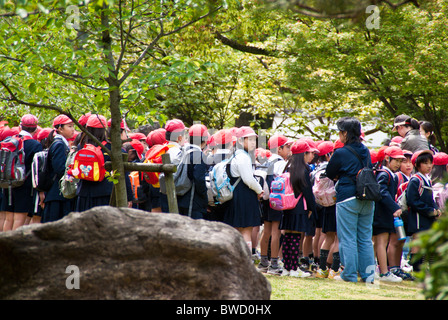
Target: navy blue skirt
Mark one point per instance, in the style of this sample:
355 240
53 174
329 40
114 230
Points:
270 214
329 219
244 209
86 203
55 210
297 220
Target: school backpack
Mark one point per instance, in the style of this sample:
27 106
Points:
88 164
440 195
324 190
401 197
282 195
220 184
68 184
182 182
367 187
154 155
264 173
12 163
40 173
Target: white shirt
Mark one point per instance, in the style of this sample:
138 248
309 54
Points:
279 165
241 166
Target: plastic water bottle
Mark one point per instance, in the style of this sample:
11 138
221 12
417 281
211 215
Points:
399 228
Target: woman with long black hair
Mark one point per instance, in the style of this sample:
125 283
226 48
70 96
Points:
354 217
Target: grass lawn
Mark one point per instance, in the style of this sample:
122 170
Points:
291 288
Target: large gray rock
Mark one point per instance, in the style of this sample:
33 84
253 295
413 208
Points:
128 254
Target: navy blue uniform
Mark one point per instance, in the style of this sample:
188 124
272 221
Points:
383 220
56 206
421 208
22 197
196 171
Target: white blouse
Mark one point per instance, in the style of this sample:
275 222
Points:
241 166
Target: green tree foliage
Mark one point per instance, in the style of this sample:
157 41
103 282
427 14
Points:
101 56
433 245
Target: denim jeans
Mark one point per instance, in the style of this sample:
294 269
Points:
354 228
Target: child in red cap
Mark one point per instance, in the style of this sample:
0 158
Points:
55 205
243 212
21 209
385 211
297 221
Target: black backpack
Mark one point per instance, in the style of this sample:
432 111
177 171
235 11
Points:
367 187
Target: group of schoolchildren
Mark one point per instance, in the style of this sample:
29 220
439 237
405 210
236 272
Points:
300 241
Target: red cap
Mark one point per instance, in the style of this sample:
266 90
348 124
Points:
211 141
29 120
174 125
138 146
440 159
380 155
416 154
157 136
277 141
394 153
397 139
311 143
223 136
301 146
245 132
96 121
61 119
8 132
137 136
83 119
338 144
407 152
325 147
198 130
43 133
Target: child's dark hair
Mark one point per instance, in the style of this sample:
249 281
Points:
173 136
428 127
353 128
99 133
28 129
423 158
439 173
297 170
195 140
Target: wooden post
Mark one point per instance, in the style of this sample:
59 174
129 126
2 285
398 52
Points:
170 189
113 198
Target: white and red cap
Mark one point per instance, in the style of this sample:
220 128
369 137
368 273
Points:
278 140
301 146
61 119
245 132
174 125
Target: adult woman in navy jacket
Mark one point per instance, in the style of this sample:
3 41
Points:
22 197
354 217
56 206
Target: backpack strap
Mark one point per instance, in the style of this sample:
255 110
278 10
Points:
356 154
388 174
